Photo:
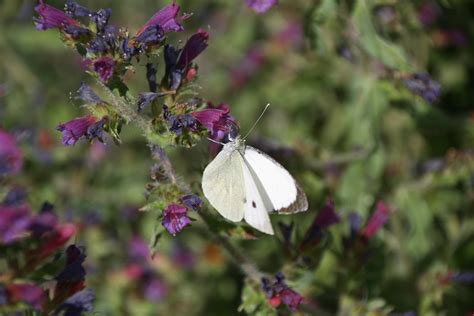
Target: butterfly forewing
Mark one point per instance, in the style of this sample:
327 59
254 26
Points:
281 189
223 183
256 203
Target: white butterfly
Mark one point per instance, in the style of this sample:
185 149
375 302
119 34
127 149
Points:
244 183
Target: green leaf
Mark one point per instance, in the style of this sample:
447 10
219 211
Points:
388 53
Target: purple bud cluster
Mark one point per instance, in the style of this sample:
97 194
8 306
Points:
278 292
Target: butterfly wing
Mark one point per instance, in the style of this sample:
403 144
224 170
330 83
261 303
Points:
223 183
280 189
256 203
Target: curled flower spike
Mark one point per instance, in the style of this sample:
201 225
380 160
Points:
10 155
175 218
260 6
75 129
166 19
50 17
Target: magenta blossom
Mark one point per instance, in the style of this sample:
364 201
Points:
377 220
325 218
193 47
25 292
75 129
217 120
166 19
10 154
50 17
138 249
175 218
278 292
14 223
261 6
104 67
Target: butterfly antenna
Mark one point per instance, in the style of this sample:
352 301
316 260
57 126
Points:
256 122
214 141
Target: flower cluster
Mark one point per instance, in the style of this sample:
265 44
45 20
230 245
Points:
32 239
278 292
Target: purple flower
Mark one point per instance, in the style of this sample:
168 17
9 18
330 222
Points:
154 289
428 12
10 155
73 9
462 277
151 77
45 221
15 197
73 271
177 61
277 292
177 123
175 218
325 218
421 84
14 223
104 67
194 46
216 120
50 17
75 129
183 257
77 304
166 19
25 292
377 220
138 249
152 35
191 201
260 6
247 67
86 94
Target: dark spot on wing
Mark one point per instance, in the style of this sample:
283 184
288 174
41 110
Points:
254 205
245 200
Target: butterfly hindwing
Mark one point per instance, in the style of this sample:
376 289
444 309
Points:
223 183
280 188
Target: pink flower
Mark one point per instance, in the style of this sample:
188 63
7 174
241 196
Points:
10 155
193 47
217 120
26 292
175 218
75 129
166 19
50 17
261 6
377 220
104 67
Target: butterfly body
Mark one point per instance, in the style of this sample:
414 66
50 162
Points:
244 183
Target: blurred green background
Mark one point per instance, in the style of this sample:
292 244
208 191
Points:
341 120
